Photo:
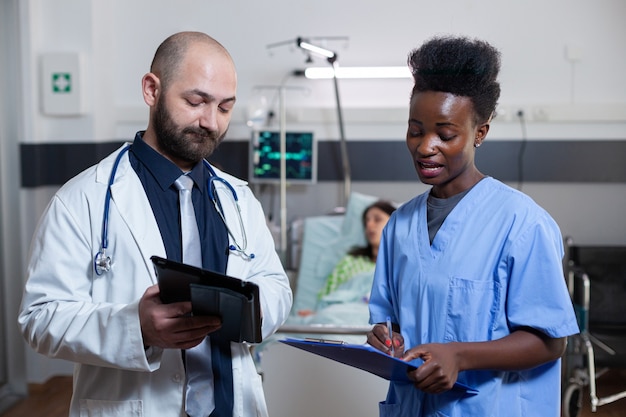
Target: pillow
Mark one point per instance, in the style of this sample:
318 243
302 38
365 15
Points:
352 227
326 239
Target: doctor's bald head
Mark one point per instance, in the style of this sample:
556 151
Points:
191 90
172 52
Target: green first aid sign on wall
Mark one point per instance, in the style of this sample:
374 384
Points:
62 90
61 82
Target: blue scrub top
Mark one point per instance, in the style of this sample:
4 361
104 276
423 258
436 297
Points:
495 265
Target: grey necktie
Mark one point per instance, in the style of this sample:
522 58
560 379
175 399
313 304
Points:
198 367
192 253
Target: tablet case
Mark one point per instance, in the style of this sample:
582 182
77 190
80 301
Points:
211 293
366 358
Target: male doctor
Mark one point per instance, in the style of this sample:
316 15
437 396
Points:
133 353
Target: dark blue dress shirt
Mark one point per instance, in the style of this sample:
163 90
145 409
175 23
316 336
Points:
157 175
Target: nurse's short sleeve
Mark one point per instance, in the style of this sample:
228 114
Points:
537 296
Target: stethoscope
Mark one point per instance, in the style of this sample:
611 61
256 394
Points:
102 261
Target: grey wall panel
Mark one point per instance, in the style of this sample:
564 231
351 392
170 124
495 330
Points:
55 163
369 161
541 161
554 161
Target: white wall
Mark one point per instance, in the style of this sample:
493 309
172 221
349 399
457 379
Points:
564 99
118 38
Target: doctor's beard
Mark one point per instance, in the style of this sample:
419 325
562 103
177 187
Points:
190 144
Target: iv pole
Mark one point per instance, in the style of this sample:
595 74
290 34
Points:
283 166
283 175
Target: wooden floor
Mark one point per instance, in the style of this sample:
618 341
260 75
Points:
52 398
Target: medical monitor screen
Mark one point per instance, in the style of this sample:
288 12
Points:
300 161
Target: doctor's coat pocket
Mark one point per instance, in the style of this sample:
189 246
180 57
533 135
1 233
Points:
471 308
104 408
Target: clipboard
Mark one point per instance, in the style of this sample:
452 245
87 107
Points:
366 358
211 293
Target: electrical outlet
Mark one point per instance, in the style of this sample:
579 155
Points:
540 114
573 53
503 114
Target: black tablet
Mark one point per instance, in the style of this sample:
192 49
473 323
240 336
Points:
212 293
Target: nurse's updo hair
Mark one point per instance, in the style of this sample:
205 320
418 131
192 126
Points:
460 66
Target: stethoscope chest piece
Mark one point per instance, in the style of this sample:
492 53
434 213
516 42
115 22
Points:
102 263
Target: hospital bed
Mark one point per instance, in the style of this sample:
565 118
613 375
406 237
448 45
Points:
323 241
596 278
300 383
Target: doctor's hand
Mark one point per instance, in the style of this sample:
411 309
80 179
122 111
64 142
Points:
440 369
380 339
171 325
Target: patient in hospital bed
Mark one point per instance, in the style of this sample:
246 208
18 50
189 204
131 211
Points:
351 279
325 293
324 296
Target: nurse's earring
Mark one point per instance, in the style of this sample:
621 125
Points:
477 143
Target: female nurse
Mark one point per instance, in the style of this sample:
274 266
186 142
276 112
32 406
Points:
470 272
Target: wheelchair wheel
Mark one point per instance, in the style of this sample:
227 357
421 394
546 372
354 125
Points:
572 400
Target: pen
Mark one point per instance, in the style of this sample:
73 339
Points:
327 341
390 332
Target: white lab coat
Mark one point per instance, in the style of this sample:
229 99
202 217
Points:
69 312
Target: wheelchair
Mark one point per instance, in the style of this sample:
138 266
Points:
596 279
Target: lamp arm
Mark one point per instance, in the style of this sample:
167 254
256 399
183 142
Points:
342 140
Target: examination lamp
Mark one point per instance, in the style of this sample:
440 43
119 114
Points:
316 73
332 59
330 55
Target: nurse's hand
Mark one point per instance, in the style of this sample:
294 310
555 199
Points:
171 325
440 369
380 339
